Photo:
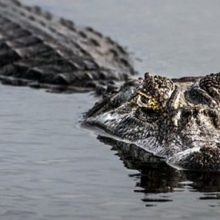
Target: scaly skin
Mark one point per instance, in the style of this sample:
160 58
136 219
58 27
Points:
41 50
177 120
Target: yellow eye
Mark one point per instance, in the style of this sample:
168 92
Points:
140 103
154 104
142 100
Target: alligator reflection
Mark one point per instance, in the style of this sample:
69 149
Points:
158 180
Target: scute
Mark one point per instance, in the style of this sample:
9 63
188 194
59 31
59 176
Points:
64 54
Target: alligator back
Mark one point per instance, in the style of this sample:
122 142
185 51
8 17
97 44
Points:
41 50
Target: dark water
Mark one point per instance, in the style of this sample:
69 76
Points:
52 168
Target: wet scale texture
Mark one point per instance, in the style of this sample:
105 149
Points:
38 48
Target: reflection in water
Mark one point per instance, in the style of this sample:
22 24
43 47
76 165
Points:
157 180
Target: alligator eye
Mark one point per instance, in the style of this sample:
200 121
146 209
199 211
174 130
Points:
148 103
140 103
144 99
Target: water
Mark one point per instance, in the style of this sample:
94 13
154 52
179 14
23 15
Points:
52 168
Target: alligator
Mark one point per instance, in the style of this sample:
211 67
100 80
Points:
40 50
177 121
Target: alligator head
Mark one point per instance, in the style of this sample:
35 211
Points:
178 120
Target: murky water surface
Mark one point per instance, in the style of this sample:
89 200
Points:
51 168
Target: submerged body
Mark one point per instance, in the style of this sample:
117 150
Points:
42 50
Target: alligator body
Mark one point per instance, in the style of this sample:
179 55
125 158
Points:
177 120
41 50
